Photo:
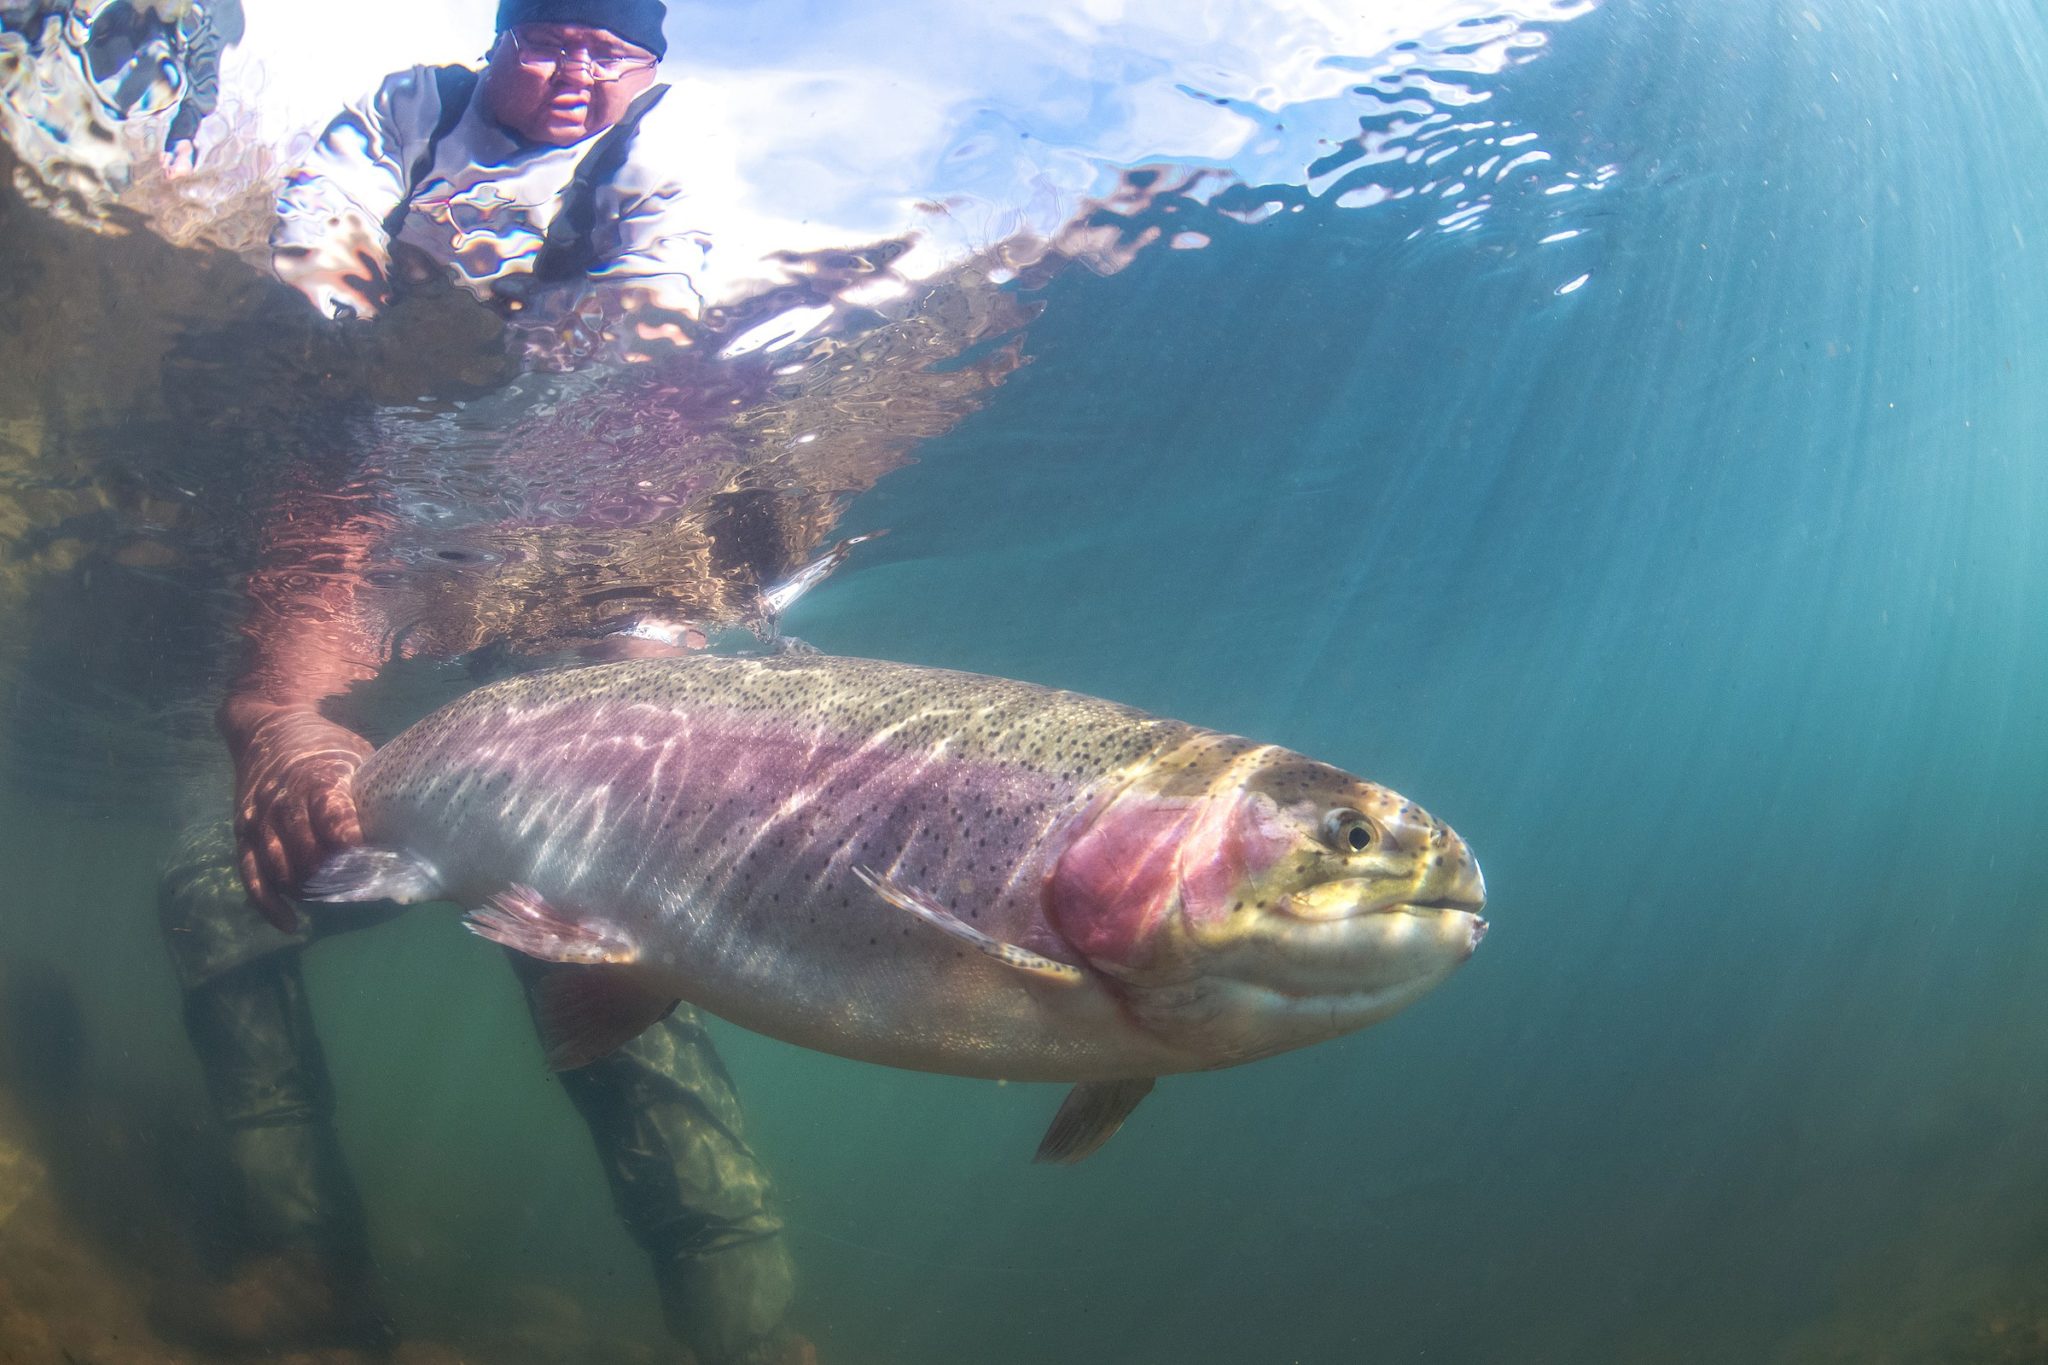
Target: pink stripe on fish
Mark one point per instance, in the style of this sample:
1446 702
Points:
1239 837
1116 881
1145 854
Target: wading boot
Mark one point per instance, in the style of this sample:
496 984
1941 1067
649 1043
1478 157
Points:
667 1125
728 1304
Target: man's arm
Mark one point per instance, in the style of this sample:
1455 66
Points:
310 634
330 242
650 243
202 94
655 252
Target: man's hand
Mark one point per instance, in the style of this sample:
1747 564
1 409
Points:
341 285
294 807
181 158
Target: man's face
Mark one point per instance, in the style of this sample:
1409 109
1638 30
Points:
543 81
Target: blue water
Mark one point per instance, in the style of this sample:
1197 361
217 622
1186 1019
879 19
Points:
1699 599
1702 599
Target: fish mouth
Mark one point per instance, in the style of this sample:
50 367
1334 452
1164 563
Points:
1304 907
1471 905
1453 905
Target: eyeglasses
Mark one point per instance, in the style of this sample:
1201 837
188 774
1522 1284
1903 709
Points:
546 59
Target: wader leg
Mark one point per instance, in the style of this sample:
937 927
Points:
268 1081
249 1021
668 1129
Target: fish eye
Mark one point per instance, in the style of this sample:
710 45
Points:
1348 832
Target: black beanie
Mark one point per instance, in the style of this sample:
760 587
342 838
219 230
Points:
636 21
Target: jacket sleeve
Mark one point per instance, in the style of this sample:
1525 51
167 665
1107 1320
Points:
202 80
652 241
338 194
648 231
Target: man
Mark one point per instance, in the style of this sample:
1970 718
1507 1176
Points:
532 173
556 165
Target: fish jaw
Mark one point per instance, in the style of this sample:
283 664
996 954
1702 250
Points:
1236 922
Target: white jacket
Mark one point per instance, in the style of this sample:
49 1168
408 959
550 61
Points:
484 206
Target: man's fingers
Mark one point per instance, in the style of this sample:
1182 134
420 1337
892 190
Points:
273 864
293 829
252 876
272 907
296 809
335 820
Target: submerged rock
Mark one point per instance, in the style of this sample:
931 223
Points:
64 1300
21 1175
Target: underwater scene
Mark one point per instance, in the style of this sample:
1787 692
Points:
962 594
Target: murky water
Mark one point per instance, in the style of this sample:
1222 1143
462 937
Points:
1617 427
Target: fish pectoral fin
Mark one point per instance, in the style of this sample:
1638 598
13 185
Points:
520 918
583 1013
1009 954
367 873
1089 1117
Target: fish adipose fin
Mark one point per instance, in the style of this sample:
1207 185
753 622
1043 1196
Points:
373 874
1009 954
1089 1117
521 919
585 1012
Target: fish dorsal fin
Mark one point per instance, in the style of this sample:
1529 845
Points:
1009 954
583 1013
1089 1117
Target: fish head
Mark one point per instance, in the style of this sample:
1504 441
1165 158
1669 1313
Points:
1245 900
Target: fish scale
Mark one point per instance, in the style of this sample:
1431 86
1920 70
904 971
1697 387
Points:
915 867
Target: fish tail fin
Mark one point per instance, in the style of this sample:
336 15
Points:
373 874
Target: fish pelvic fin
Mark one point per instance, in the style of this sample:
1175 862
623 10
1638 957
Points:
595 1005
1024 960
1089 1117
584 1013
520 918
369 873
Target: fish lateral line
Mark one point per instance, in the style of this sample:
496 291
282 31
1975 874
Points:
1035 965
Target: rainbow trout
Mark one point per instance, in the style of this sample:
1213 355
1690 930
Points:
916 867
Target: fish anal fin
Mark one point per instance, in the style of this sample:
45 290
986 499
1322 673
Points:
1089 1117
1037 965
521 918
583 1013
368 873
